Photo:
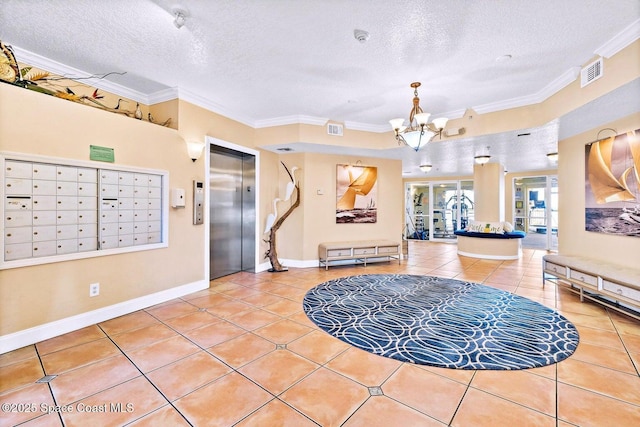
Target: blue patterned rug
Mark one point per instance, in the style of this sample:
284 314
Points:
440 322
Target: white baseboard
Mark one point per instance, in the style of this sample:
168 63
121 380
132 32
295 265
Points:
53 329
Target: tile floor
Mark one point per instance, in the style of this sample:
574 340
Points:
243 353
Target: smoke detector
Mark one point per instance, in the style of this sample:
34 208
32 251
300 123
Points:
361 35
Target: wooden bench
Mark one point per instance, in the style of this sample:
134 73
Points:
357 251
615 286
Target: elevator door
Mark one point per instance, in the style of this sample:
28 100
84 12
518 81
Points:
231 212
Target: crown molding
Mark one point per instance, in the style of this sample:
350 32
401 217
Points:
200 101
624 38
71 73
367 127
552 88
291 120
163 95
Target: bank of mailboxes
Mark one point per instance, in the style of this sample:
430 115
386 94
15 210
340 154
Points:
56 209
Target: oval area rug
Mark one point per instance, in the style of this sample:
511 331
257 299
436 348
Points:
440 322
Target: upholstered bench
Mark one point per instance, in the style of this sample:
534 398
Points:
612 285
357 251
496 244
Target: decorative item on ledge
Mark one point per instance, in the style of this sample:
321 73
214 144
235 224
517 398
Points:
272 225
418 125
66 87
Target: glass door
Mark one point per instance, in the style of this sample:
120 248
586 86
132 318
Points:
417 211
435 210
535 211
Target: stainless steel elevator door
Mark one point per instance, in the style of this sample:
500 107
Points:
231 212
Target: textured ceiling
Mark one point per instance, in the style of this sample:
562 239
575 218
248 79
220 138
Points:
265 62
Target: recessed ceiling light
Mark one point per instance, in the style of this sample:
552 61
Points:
504 58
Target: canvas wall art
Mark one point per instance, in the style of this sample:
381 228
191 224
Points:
612 185
357 191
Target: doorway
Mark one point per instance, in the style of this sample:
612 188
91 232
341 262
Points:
232 211
536 211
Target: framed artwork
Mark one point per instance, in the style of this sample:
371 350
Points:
612 185
356 191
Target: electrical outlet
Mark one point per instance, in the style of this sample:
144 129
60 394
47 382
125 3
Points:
94 289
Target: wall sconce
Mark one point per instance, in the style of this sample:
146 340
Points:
553 157
481 160
425 168
194 148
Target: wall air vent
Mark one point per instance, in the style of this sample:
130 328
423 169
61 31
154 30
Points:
334 129
591 72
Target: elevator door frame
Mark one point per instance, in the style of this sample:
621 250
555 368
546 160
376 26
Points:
207 220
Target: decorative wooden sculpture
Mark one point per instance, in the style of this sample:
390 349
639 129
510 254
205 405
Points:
273 225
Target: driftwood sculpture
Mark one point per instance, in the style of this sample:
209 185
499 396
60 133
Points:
272 252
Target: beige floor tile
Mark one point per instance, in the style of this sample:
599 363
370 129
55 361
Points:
278 370
301 317
463 376
25 403
527 389
143 337
174 309
605 357
241 350
424 391
254 319
20 374
366 368
48 420
18 355
80 355
326 397
283 332
135 320
480 409
229 308
165 416
90 379
603 338
223 402
380 411
318 346
588 409
276 413
81 336
261 299
182 377
161 353
192 321
216 333
118 405
209 300
284 307
601 380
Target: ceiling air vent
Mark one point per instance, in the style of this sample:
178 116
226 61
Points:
334 129
591 72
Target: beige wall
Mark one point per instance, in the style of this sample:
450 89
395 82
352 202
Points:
572 237
38 124
488 192
320 210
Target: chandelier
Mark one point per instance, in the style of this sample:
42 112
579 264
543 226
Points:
419 128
